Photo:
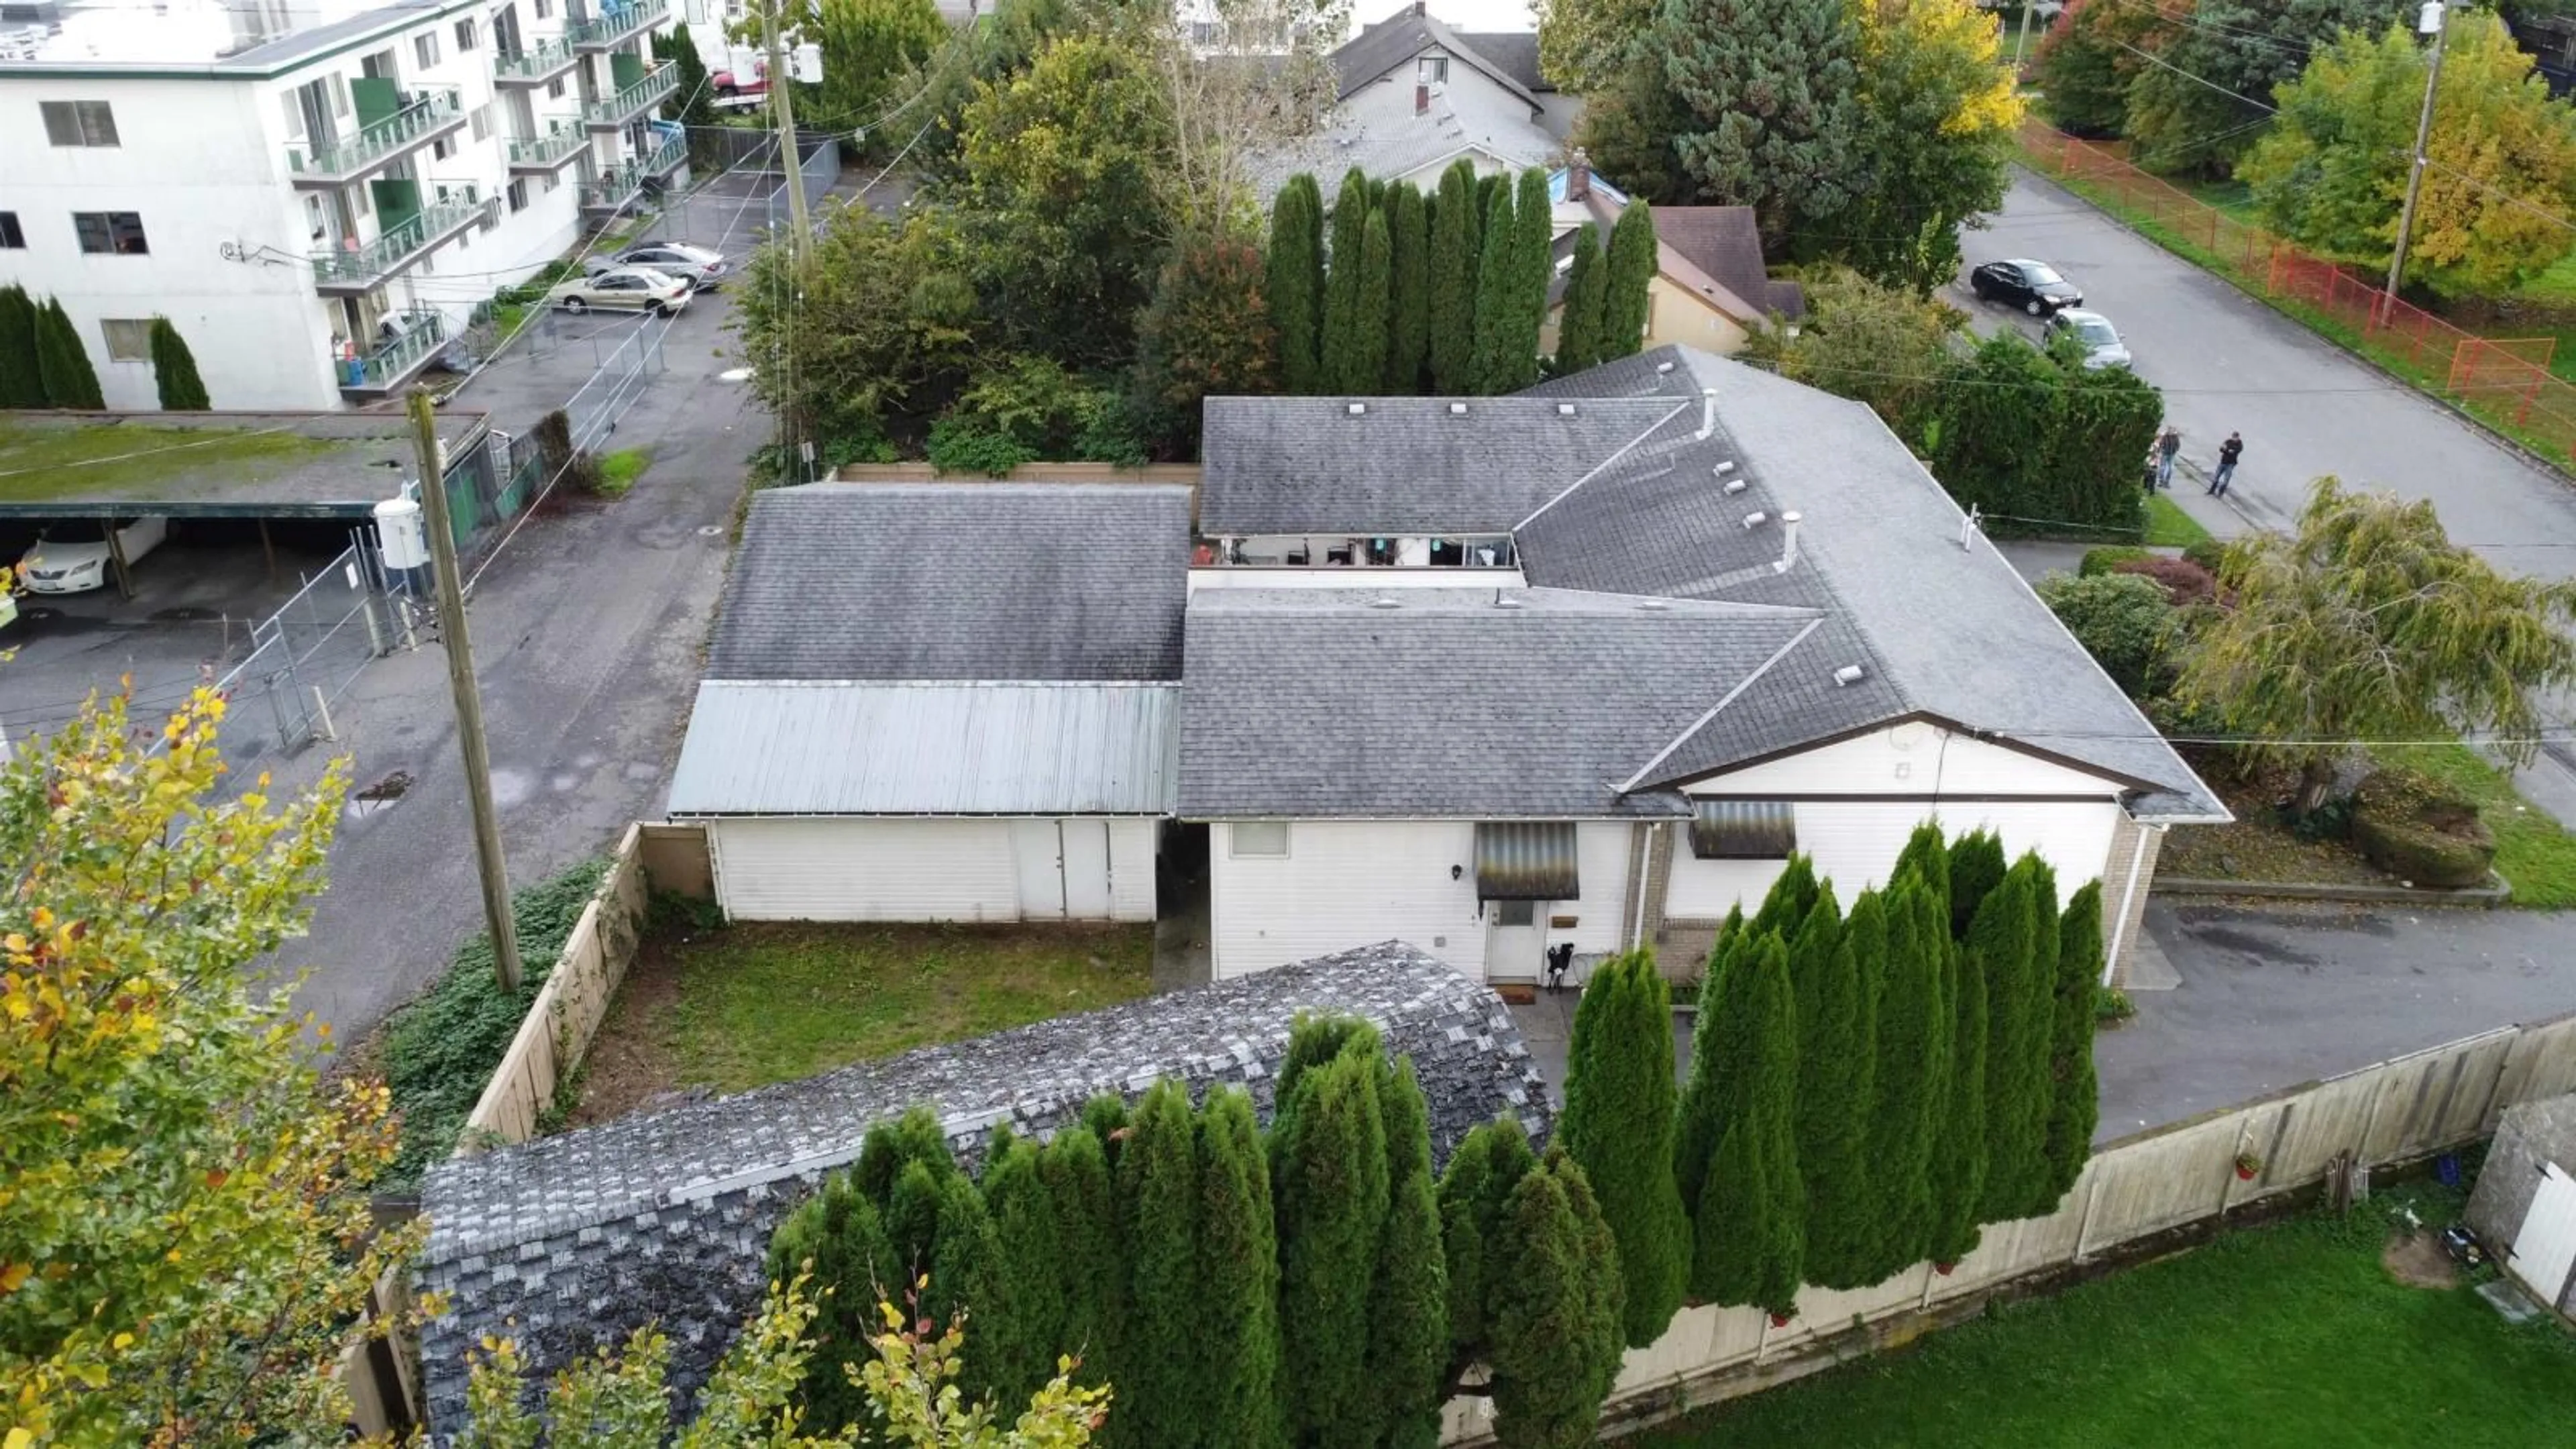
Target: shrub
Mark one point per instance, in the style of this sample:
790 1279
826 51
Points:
2099 561
958 445
2126 622
2184 582
1618 1124
2111 1006
2209 553
2410 827
556 454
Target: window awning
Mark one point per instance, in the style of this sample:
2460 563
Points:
1526 860
1744 830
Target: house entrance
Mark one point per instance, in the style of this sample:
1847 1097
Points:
1515 940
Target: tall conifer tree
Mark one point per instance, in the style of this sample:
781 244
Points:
1019 1325
1618 1123
1498 297
1331 1192
174 371
1750 1235
1078 1186
1910 1090
1293 283
1587 288
1457 229
1408 305
1238 1281
1959 1154
2074 1106
1837 1070
1632 264
1158 1208
22 376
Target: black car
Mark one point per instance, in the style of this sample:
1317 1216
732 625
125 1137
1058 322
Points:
2034 287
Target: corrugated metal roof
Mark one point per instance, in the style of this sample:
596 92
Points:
1743 829
1526 860
803 747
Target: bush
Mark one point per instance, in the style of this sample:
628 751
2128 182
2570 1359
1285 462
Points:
2184 582
2124 621
2111 1006
439 1052
2412 828
2209 553
958 445
2099 561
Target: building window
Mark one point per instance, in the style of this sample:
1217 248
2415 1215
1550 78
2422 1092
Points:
482 118
442 148
1515 913
519 194
465 35
1431 70
79 123
1258 839
545 9
551 179
129 339
12 236
1743 829
339 95
117 232
554 89
424 49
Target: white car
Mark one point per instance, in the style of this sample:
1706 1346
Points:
700 267
629 289
2094 336
72 558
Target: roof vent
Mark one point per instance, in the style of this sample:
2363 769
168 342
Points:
1457 410
1850 674
1734 485
1756 519
1655 606
1788 542
1358 408
1565 410
1662 368
1506 601
1724 468
1707 411
1383 602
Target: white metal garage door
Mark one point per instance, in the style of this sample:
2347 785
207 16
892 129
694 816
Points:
2545 1250
865 870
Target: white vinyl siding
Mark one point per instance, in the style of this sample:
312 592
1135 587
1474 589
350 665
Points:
1132 846
1601 855
1346 883
1907 759
1855 844
870 869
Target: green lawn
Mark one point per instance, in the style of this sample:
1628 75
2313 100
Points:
49 459
619 470
2533 851
2169 527
741 1006
2291 1335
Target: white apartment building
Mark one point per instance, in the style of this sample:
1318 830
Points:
316 196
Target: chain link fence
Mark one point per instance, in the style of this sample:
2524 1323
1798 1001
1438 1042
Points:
304 657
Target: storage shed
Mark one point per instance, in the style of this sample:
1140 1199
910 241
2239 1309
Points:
2524 1206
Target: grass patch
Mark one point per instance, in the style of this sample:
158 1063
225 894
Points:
438 1053
619 470
49 458
2292 1335
2169 527
742 1006
2533 851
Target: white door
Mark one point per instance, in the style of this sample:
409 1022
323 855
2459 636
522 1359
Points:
1515 941
1086 869
2545 1249
1037 853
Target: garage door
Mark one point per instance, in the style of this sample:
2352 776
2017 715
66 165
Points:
865 870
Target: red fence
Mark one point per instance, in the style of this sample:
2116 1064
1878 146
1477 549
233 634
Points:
2505 381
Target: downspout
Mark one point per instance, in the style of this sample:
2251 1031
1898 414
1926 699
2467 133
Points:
2128 897
1645 847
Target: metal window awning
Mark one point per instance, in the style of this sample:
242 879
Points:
1526 860
1743 829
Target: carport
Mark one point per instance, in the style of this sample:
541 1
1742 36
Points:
256 467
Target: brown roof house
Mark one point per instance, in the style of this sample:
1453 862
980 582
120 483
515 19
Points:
1711 288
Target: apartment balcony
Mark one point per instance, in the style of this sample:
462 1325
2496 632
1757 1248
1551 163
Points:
612 192
615 22
373 147
610 112
359 270
397 360
541 155
664 159
534 65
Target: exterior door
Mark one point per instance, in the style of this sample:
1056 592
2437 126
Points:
1086 869
2545 1249
1037 852
1515 944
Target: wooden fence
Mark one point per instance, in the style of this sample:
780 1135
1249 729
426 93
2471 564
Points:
2505 382
2155 1182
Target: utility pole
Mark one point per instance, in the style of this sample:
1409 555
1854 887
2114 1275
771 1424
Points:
469 700
779 82
2435 20
2022 38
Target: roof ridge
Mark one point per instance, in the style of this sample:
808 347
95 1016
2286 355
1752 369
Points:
1741 685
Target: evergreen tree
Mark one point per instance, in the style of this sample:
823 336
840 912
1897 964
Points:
22 377
1909 1090
1927 859
1159 1367
1457 226
70 381
1331 1191
1312 1041
890 1147
1408 289
1294 282
2074 1106
1076 1174
1206 332
1958 1171
1772 91
1750 1232
1719 1048
1355 317
694 103
1019 1322
1791 897
1238 1281
1579 325
1534 252
1405 1116
1837 1062
1976 867
837 1231
2020 1157
1408 1309
912 1220
1488 1163
1999 945
1498 283
174 371
1631 264
1555 1350
1618 1122
1106 1116
1346 310
962 1262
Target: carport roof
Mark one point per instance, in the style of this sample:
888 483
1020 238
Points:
211 465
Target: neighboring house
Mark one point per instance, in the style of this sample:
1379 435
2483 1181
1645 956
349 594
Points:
317 196
1414 96
1711 289
1673 619
942 702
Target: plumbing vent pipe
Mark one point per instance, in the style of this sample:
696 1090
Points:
1662 368
1383 602
1707 411
1724 468
1734 486
1788 542
1756 520
1850 674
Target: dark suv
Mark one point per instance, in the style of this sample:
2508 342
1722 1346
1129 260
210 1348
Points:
2034 287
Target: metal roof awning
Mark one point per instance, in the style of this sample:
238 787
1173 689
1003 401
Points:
1526 860
1743 829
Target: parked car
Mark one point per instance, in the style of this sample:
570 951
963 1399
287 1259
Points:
730 86
72 558
634 289
2092 332
2034 287
700 267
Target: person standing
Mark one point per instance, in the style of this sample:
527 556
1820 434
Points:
2168 445
2148 474
2228 453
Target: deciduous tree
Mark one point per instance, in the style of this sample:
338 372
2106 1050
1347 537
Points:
1207 333
1618 1123
2199 105
1869 341
873 338
2368 622
1938 117
1457 229
1294 282
1585 45
2083 63
866 46
1773 92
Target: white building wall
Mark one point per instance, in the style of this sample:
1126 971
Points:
1250 576
1603 862
1131 868
1905 759
851 868
1346 883
1470 110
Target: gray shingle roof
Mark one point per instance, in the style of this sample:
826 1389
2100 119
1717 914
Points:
572 1242
1445 703
957 581
1400 37
1513 52
1725 242
1403 466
